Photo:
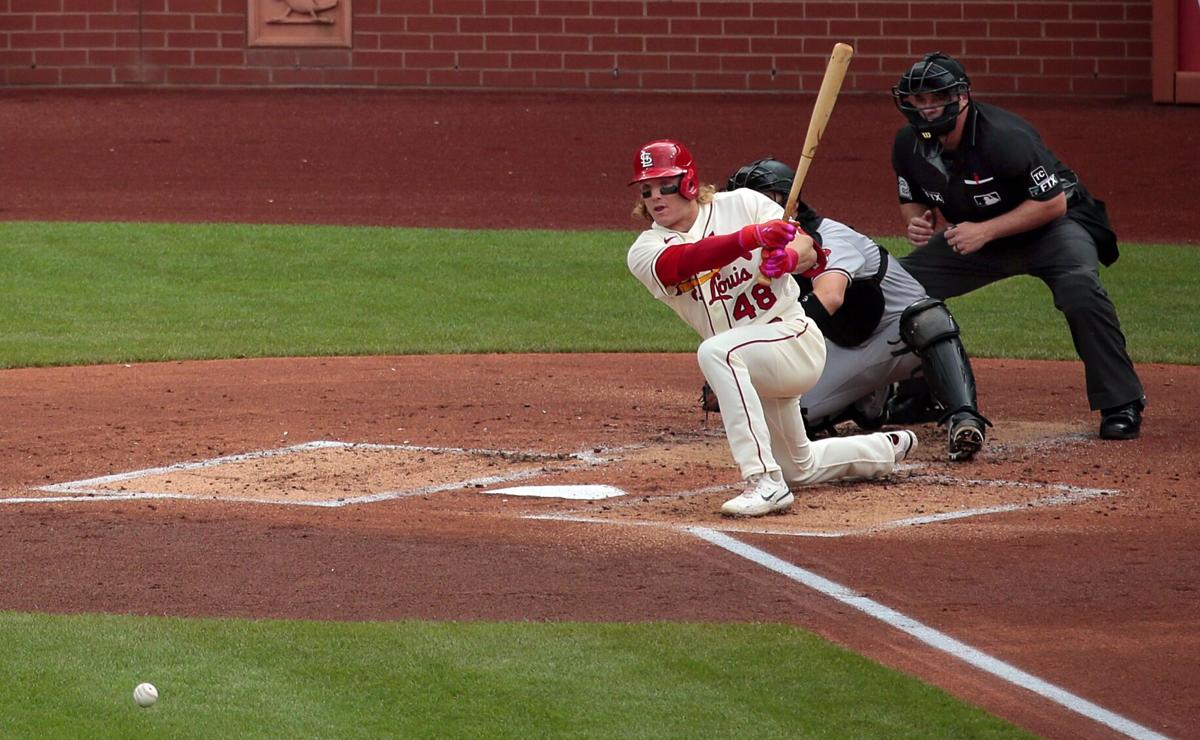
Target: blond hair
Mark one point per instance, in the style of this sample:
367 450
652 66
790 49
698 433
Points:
641 212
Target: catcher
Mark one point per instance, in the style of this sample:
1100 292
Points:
881 326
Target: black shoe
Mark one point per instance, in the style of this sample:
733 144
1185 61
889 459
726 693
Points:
1122 422
912 409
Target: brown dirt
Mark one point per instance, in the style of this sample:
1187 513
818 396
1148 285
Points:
1098 596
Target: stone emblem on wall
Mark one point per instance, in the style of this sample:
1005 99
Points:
304 11
298 23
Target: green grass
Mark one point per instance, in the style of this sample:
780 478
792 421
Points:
88 293
100 293
233 678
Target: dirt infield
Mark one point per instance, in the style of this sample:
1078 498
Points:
130 488
1093 593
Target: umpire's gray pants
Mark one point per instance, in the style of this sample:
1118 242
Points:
1063 256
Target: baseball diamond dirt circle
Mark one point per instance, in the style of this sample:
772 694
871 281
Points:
308 487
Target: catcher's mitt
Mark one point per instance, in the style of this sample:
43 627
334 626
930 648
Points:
708 400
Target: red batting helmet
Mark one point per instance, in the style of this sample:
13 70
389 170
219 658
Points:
666 158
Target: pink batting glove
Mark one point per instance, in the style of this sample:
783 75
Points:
773 234
777 233
778 262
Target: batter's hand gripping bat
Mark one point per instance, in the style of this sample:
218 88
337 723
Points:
831 85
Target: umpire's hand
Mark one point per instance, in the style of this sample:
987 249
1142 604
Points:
920 228
967 237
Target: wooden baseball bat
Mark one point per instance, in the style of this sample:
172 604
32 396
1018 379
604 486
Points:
831 85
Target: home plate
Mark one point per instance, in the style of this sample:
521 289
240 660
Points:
578 493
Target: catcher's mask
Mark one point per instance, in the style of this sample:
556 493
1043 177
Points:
934 73
667 158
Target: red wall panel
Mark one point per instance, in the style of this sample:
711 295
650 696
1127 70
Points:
1189 35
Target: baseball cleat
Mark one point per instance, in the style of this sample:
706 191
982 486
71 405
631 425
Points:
904 441
763 495
966 438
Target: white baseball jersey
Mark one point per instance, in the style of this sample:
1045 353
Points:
760 351
719 300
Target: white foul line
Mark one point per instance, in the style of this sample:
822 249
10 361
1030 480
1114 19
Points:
928 635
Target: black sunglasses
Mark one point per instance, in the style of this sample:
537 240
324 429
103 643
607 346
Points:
668 189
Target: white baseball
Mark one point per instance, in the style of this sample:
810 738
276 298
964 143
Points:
144 694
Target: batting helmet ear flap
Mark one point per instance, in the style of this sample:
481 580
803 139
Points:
689 186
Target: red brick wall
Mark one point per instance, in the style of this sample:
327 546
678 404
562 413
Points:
1083 47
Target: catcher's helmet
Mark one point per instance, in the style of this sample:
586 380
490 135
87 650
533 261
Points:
770 176
933 73
765 175
666 158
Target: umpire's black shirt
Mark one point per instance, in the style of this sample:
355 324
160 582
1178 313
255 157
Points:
1000 163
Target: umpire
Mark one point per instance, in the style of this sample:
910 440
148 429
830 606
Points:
983 199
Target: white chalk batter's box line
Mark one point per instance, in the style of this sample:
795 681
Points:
90 489
1059 494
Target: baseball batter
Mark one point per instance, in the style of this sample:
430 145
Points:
760 353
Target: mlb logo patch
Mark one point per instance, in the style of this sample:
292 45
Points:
987 199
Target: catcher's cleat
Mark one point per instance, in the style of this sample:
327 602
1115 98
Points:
904 441
763 495
904 407
1122 422
967 433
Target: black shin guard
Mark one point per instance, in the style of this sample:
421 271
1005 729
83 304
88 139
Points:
928 328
